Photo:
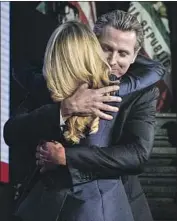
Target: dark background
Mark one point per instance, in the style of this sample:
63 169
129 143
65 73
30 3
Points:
30 31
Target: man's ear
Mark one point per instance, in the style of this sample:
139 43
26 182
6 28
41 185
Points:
135 55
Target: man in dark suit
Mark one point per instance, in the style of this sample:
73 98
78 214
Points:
134 129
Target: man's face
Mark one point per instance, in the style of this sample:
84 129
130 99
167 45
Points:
119 49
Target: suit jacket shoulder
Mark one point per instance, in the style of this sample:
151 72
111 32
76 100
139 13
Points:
145 95
137 106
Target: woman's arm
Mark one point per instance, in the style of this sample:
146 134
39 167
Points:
141 74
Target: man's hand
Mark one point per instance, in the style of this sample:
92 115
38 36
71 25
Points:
50 154
90 102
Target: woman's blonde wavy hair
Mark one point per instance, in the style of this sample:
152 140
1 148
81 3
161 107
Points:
74 56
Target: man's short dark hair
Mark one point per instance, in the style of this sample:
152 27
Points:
120 20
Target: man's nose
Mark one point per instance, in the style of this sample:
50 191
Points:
112 59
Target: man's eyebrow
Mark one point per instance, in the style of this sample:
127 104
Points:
123 50
102 43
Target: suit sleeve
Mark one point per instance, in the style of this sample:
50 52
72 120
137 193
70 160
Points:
143 73
125 158
31 126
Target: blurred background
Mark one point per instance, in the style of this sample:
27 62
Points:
25 30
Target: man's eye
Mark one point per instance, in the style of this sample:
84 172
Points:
123 54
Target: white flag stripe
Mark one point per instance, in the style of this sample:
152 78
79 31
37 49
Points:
5 69
94 11
86 8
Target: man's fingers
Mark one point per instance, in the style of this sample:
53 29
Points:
108 89
40 156
110 99
39 162
43 152
37 155
50 144
43 169
42 162
42 149
106 107
103 115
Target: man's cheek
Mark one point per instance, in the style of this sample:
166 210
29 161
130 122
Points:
125 68
124 65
